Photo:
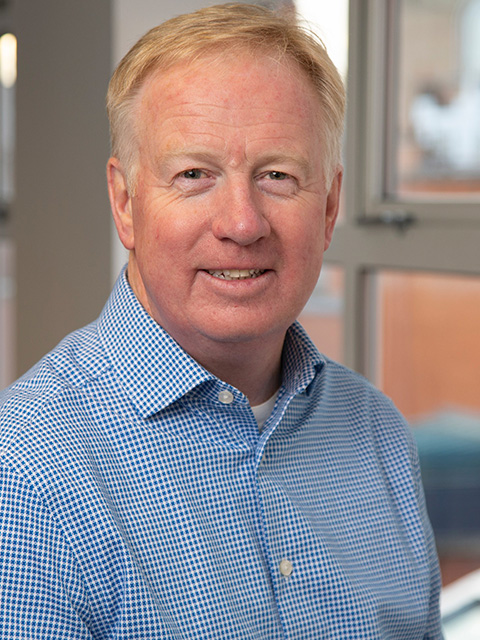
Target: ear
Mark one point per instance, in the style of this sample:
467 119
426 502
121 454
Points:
120 202
332 206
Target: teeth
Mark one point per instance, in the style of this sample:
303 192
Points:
236 274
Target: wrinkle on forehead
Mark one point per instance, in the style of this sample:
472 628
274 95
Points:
228 111
177 80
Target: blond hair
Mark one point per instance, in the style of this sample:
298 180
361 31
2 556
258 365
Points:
233 28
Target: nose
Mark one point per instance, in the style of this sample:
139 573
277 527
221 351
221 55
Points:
239 216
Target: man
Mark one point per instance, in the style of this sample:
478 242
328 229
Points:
189 466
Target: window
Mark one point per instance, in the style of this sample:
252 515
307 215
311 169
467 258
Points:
427 352
406 256
422 132
8 72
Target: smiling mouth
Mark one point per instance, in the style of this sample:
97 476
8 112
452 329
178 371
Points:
236 274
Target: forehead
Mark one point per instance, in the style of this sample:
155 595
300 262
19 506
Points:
244 87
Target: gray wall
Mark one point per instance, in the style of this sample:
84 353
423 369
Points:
61 215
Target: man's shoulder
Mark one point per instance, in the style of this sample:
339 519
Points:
76 362
350 382
345 395
361 402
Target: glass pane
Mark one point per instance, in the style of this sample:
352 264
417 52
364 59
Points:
465 626
330 21
323 315
460 606
8 75
428 361
435 138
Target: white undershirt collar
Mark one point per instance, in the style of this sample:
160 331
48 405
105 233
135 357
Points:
262 411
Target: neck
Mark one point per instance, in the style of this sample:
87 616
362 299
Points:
254 371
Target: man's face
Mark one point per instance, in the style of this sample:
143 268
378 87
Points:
230 217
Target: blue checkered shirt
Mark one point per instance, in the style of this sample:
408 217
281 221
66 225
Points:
137 504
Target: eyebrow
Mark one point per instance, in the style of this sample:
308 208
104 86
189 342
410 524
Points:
194 154
273 158
203 155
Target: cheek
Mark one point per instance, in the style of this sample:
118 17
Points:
165 251
307 255
156 235
306 239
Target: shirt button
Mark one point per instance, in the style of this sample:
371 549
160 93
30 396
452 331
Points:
225 397
286 568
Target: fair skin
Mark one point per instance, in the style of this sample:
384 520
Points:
230 177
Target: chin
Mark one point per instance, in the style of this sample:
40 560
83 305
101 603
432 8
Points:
247 333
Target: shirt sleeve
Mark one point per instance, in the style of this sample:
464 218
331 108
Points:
42 594
434 626
420 521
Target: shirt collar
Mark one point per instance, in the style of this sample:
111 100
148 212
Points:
155 371
151 366
301 360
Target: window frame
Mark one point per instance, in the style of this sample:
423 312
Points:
375 234
381 80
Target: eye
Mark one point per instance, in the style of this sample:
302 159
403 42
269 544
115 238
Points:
277 183
194 181
193 174
277 175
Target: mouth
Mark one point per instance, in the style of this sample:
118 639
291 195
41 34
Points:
236 274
